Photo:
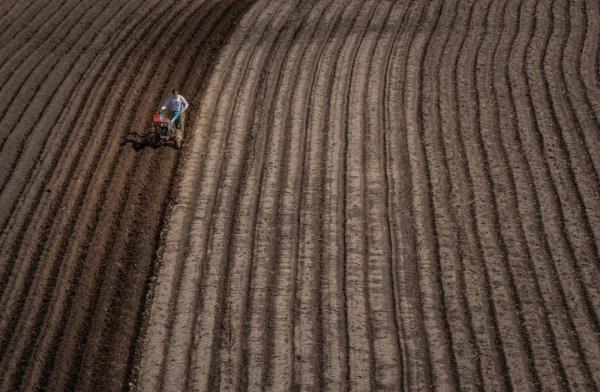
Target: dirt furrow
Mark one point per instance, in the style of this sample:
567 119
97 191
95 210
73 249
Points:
491 358
588 59
515 343
11 9
225 13
67 177
205 333
260 254
164 293
21 265
14 20
432 295
558 151
66 121
371 195
22 42
383 329
585 180
183 328
33 234
586 121
332 76
19 87
361 355
535 248
380 277
123 181
234 322
559 155
146 168
56 156
311 366
235 301
417 369
531 316
449 265
523 75
29 131
292 363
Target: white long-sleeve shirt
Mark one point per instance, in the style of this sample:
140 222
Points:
176 103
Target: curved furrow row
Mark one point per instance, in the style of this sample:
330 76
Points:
514 340
582 119
360 348
525 257
531 316
57 85
69 119
330 96
20 87
63 170
434 299
449 266
121 182
483 314
33 120
570 116
588 58
206 333
569 159
35 236
385 328
585 120
19 14
24 41
155 369
523 75
235 302
365 249
59 280
132 170
371 195
415 354
290 364
15 254
260 254
67 116
553 298
235 123
10 8
135 254
39 174
572 221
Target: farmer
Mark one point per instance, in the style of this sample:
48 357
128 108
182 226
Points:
177 105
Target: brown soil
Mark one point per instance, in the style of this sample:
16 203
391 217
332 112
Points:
82 199
372 195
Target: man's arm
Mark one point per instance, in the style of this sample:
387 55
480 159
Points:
185 104
166 104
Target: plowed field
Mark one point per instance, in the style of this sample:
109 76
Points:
372 195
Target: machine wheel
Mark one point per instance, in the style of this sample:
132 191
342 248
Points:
156 136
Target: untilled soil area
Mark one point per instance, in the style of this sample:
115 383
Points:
372 195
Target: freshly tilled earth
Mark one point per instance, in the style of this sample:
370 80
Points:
371 195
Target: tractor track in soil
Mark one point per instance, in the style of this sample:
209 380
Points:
371 195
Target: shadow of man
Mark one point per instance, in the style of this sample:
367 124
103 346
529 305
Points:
139 142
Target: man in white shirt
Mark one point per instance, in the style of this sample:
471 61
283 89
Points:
177 105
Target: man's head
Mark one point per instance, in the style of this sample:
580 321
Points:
175 91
